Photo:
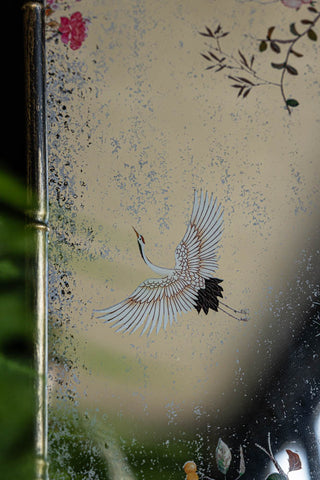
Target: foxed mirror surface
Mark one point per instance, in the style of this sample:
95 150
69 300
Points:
151 105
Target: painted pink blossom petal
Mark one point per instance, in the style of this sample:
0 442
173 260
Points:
64 25
73 29
75 45
64 21
76 17
65 37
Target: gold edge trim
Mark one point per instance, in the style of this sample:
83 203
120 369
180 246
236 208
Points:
37 216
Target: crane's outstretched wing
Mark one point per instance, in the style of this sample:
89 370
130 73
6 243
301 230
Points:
196 254
154 303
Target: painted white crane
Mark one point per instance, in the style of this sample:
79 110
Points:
189 285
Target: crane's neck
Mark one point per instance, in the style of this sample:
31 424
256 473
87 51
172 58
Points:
159 270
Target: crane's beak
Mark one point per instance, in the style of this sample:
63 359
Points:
136 232
138 235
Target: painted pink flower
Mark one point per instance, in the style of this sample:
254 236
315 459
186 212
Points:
73 29
295 3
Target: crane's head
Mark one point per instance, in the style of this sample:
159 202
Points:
139 236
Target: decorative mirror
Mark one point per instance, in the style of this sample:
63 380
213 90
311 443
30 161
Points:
188 345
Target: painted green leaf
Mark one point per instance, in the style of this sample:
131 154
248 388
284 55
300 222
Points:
243 58
312 35
297 54
263 46
276 476
206 57
291 102
245 80
214 56
223 456
293 29
291 70
209 31
275 47
279 66
270 31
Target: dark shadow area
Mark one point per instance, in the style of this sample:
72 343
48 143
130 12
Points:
286 400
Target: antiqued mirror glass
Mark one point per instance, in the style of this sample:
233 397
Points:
156 109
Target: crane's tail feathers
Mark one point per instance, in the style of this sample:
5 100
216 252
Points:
208 296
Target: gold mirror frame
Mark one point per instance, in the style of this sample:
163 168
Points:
36 157
38 213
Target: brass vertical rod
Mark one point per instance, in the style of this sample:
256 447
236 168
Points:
36 157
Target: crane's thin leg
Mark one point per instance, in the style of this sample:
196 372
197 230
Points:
233 309
233 316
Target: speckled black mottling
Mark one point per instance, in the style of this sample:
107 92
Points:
208 296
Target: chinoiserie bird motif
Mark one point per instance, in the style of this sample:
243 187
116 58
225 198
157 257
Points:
189 285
